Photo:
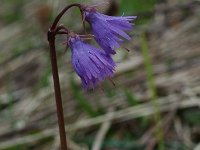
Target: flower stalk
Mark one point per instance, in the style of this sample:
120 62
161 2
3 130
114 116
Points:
53 30
58 98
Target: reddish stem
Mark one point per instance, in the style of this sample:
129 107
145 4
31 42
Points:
61 123
53 30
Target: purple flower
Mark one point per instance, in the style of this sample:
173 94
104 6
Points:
108 29
90 63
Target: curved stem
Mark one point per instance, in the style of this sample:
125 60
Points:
61 123
53 30
62 13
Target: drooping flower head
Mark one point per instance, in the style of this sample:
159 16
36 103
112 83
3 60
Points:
91 64
108 30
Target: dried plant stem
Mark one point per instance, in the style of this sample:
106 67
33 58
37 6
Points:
61 123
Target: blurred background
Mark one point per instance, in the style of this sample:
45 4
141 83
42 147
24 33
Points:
153 106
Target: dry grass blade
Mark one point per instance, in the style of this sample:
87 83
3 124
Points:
101 134
165 104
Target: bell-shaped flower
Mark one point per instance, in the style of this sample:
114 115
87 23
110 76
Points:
108 30
91 64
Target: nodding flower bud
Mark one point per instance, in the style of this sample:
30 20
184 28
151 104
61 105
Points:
90 63
108 30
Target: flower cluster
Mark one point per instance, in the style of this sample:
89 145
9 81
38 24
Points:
95 64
